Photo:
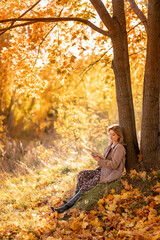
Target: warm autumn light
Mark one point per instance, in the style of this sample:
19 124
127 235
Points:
69 69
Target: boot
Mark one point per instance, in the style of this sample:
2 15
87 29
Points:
69 204
77 190
60 209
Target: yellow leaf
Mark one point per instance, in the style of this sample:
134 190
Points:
99 230
143 175
124 196
112 191
117 197
157 199
84 225
110 197
139 225
101 201
112 207
152 214
156 188
126 185
50 238
75 225
110 215
96 222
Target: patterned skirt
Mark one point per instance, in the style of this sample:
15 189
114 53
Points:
88 179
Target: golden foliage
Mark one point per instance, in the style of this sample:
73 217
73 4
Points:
52 72
50 83
25 208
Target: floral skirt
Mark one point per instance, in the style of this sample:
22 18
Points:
88 179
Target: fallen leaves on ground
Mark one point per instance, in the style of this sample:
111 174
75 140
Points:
25 202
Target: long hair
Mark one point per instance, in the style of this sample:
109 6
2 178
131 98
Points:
117 129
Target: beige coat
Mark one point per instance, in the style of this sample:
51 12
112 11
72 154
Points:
113 166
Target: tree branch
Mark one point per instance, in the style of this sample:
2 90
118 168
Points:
139 13
17 25
21 16
92 64
81 75
42 43
44 40
58 19
103 13
29 9
144 49
134 27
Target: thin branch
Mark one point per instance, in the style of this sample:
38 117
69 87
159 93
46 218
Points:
134 27
18 25
42 43
103 13
45 38
138 52
92 64
58 19
29 9
139 13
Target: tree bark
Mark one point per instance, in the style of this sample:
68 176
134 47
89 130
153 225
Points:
159 89
121 69
159 92
139 13
150 112
117 31
10 116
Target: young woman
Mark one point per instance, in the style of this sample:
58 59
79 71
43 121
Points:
108 170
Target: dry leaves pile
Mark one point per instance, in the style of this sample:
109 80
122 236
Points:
134 213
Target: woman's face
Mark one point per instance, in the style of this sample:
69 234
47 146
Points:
113 136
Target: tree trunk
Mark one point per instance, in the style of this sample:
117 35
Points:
159 91
123 83
117 31
159 119
150 112
159 94
10 116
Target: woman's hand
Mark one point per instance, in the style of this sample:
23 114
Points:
96 158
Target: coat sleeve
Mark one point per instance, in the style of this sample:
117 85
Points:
116 159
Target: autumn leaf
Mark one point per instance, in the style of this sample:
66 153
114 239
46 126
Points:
126 185
156 187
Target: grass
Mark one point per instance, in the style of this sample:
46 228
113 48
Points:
26 199
25 202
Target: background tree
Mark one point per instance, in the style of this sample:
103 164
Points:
150 115
115 22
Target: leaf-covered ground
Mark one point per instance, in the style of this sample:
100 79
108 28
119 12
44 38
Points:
133 212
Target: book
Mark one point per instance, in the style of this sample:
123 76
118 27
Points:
93 152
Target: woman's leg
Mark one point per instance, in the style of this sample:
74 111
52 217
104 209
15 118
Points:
88 179
68 204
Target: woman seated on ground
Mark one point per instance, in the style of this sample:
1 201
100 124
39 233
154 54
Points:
108 170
